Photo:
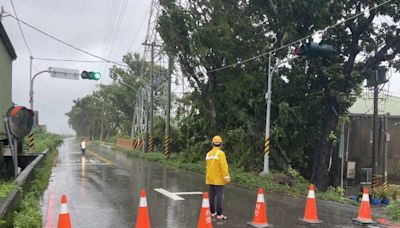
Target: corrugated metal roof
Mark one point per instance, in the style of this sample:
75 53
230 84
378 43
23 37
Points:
386 104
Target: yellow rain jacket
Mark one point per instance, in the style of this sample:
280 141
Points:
217 171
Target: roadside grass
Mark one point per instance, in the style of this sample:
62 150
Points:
44 140
28 212
289 182
6 188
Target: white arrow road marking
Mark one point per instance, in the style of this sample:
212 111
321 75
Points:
174 195
168 194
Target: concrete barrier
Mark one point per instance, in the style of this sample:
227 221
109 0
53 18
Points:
9 203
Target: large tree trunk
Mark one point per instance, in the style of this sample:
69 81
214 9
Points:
322 154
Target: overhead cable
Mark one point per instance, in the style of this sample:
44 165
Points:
67 44
299 40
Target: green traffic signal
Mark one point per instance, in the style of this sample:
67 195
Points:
91 75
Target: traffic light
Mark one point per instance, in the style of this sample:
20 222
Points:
91 75
314 49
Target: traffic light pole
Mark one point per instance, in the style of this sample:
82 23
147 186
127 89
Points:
268 113
31 87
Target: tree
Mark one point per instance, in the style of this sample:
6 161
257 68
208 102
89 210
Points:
338 79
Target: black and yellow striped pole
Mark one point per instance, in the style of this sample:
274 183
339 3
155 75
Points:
31 141
266 147
151 143
167 141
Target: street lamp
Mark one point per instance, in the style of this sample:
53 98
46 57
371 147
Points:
268 113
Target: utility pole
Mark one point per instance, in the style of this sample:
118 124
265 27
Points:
385 150
168 114
151 114
375 146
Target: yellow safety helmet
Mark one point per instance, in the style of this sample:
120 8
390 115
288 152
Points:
217 139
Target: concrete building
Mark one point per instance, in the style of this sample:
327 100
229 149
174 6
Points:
357 145
7 55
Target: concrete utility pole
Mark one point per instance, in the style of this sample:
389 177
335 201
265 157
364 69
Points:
375 145
168 111
385 150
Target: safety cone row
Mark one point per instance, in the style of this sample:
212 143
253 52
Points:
310 213
364 212
143 219
205 214
260 213
64 220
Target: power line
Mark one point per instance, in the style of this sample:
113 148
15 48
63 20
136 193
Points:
20 29
297 41
65 43
74 60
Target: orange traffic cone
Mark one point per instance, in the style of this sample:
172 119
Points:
205 214
310 213
143 220
364 213
63 219
260 213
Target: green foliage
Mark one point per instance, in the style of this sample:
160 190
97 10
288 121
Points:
6 188
393 210
335 194
44 140
28 213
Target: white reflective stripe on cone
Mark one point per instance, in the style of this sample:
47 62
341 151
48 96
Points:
64 208
206 203
365 197
311 194
143 202
260 198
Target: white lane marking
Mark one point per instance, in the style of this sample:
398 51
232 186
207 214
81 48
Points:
188 193
168 194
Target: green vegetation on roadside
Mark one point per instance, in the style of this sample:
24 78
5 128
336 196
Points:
289 182
44 140
6 188
28 213
393 210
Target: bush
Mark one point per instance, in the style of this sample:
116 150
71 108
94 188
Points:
44 140
6 188
393 210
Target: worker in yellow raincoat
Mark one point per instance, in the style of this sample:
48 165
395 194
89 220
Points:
217 176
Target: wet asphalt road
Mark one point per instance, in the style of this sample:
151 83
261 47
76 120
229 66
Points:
103 189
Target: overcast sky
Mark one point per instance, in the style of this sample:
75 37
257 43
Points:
82 23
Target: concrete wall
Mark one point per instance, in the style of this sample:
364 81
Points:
5 84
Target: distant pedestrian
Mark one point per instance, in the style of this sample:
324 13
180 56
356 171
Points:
217 176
